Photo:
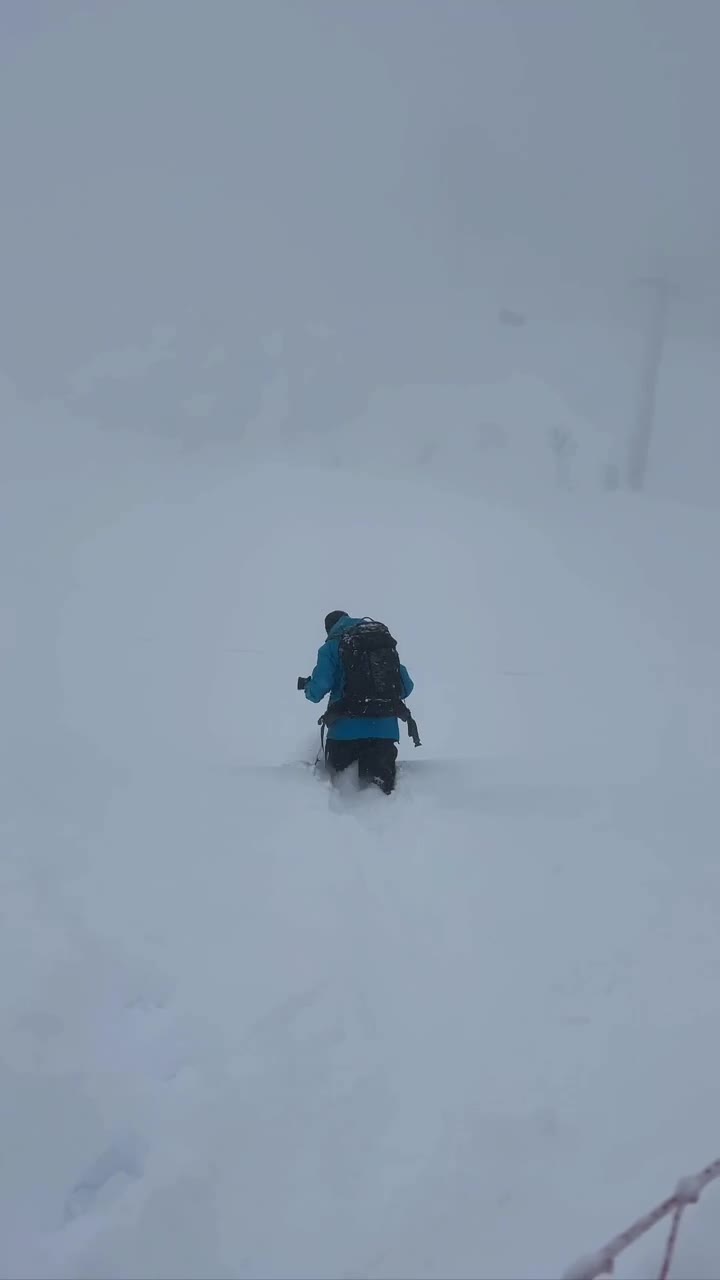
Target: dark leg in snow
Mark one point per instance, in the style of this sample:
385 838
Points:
340 755
377 763
376 760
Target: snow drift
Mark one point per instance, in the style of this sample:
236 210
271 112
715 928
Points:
251 1027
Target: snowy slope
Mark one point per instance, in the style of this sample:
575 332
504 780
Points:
251 1027
495 437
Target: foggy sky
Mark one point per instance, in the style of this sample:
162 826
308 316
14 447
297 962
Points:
384 167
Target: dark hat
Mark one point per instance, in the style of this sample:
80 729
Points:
332 618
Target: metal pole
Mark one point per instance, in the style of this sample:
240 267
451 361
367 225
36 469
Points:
647 396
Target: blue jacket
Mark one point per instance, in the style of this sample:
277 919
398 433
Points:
328 678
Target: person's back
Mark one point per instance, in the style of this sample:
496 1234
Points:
359 668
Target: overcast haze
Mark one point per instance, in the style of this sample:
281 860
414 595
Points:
394 172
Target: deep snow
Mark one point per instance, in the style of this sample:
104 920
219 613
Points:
253 1027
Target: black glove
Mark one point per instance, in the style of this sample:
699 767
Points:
302 681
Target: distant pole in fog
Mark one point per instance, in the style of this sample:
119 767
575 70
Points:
639 453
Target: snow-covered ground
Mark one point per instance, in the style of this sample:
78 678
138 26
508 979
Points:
252 1027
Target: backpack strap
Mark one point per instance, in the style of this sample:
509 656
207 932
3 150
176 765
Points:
404 714
336 711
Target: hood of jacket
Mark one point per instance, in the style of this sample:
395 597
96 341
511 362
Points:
342 624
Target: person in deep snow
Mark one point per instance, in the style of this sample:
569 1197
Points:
359 667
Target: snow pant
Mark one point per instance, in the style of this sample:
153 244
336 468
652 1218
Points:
375 758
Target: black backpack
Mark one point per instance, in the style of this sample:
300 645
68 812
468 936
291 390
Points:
373 684
371 666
